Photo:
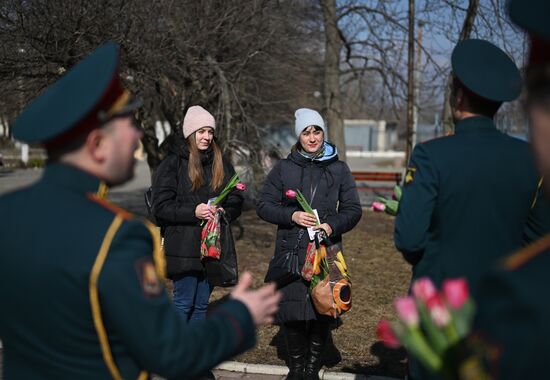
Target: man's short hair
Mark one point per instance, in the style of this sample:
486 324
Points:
476 103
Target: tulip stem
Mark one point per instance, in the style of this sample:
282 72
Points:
420 348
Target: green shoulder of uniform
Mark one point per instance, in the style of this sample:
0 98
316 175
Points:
522 257
438 138
124 214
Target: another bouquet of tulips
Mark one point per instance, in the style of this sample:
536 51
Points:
231 185
389 206
304 204
431 323
325 269
210 235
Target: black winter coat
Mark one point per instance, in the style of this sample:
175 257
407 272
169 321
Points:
337 204
174 204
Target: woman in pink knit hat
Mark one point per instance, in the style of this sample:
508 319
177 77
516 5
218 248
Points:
193 172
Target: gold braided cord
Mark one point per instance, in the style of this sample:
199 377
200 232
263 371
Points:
102 190
119 103
537 192
94 300
158 255
521 257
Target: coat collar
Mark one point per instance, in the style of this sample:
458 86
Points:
71 177
475 124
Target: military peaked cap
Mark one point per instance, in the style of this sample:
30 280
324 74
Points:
486 70
532 15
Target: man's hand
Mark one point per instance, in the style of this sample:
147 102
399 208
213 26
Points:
203 211
304 219
262 303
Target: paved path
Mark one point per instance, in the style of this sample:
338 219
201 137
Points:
227 375
14 179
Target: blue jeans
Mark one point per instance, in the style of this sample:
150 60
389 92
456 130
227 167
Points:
191 295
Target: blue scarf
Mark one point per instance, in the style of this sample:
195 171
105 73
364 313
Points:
326 152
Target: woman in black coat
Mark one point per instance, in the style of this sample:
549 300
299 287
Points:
193 172
313 168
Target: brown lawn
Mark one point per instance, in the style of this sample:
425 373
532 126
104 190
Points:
379 275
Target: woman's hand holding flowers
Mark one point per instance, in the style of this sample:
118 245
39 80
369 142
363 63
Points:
205 212
304 219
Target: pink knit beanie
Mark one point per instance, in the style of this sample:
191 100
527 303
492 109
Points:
197 118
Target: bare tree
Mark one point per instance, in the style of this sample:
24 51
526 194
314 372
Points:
233 60
410 80
471 12
331 87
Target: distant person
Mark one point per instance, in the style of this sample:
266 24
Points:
193 172
472 197
313 168
81 281
513 310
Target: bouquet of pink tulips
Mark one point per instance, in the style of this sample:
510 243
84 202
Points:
315 268
304 204
325 269
389 206
231 185
431 322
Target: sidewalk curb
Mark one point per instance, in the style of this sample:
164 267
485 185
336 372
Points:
266 369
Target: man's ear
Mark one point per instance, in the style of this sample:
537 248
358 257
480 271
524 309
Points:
95 145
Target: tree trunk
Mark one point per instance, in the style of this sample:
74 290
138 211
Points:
447 117
331 86
410 79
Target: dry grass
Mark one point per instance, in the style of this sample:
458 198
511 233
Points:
379 275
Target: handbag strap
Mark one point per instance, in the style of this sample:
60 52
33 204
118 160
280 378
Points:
300 236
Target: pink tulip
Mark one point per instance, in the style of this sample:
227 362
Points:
456 292
290 194
240 186
438 311
406 308
378 206
423 289
386 335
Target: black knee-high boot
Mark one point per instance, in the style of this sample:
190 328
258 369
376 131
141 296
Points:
296 344
318 335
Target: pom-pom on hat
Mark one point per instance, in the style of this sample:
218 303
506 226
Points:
306 117
195 119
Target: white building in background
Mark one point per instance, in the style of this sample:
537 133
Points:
162 130
370 138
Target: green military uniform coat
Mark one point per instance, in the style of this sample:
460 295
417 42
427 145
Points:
51 234
466 202
512 321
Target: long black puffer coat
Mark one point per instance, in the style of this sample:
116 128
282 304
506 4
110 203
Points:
337 204
174 204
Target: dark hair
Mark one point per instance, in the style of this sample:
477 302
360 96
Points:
476 103
196 174
297 146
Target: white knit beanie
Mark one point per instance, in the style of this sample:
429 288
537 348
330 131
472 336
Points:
197 118
306 117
